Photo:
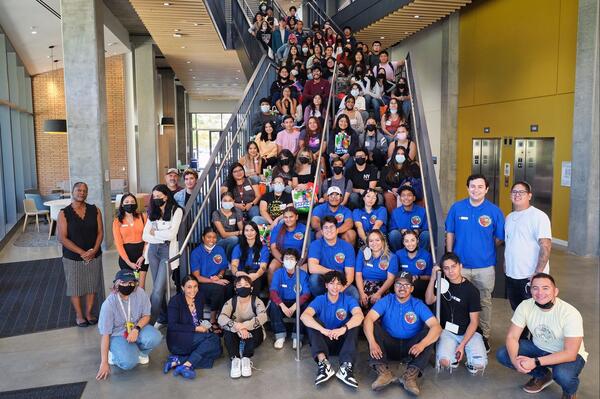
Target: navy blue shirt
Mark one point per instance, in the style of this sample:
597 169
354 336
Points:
290 239
284 284
420 265
208 264
368 219
263 258
334 257
414 219
333 315
402 320
376 269
475 229
340 215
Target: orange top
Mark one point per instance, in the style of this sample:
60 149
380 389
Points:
126 233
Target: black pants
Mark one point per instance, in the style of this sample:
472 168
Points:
344 346
397 349
232 343
276 316
133 251
515 290
215 295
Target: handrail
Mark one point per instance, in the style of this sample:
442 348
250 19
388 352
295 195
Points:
316 179
280 11
247 11
323 16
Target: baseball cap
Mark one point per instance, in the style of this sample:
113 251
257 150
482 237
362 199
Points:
125 276
334 189
403 275
172 170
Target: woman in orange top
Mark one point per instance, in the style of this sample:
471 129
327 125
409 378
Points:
128 228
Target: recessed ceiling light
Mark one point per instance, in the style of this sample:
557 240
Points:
182 46
196 24
34 32
382 37
193 77
237 78
112 43
166 4
209 99
417 16
177 35
175 30
190 69
188 62
406 33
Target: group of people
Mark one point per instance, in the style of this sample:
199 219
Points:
368 264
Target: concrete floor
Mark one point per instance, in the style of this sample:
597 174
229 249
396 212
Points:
72 355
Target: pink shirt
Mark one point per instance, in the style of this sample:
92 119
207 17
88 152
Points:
288 141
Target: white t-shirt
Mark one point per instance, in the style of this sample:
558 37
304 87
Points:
522 230
550 328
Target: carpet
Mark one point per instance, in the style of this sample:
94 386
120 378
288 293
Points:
31 237
62 391
32 297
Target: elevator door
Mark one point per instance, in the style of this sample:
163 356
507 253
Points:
486 161
533 163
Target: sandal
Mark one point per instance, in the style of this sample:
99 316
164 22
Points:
216 328
83 323
92 322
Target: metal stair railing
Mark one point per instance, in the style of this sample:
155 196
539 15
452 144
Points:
322 17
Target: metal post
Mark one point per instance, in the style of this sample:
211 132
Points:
297 271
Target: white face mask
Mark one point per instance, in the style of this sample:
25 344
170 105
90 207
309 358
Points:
354 93
401 136
278 187
227 205
294 72
305 50
265 108
209 247
393 110
400 158
289 264
309 76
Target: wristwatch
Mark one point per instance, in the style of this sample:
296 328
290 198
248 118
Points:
138 328
537 362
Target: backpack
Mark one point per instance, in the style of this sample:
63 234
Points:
234 305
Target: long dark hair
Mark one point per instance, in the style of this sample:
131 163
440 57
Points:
230 182
400 112
155 213
244 247
283 229
337 128
395 166
266 136
121 210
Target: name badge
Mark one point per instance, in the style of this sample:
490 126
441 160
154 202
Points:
405 266
247 188
353 121
464 218
453 328
388 123
232 222
283 285
369 264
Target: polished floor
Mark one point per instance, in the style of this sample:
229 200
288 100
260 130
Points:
72 355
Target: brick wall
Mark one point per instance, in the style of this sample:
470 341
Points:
49 103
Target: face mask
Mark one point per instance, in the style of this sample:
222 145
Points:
158 202
400 158
305 50
360 161
381 76
130 208
545 306
227 205
393 110
309 76
284 161
371 128
354 93
289 264
265 108
243 291
338 169
278 187
358 72
126 289
402 136
402 86
294 72
304 160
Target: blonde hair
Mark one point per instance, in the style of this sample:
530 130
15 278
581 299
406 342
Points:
386 248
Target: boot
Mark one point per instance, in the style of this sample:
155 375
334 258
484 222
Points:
384 377
409 380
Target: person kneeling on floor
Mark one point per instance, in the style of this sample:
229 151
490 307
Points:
407 329
190 339
332 321
242 319
459 315
557 331
127 339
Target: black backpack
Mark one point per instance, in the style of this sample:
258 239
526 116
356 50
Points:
234 305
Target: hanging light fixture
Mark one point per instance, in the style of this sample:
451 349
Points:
54 126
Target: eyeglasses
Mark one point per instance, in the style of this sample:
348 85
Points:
402 285
518 193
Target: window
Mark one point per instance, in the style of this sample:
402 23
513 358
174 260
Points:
206 129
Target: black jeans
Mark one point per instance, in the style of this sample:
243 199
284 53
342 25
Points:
232 343
515 290
397 349
215 295
344 346
276 316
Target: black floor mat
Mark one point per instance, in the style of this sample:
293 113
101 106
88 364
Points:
62 391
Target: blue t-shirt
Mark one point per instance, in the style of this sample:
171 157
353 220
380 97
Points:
341 215
284 284
420 265
263 258
402 320
475 229
368 219
414 219
208 264
334 257
376 269
333 315
291 239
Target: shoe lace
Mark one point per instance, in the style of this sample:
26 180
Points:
348 367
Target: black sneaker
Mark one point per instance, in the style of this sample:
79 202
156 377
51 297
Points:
487 345
346 375
324 372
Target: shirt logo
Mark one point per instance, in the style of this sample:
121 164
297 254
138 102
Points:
383 264
410 317
415 220
339 217
373 219
340 257
544 333
485 220
341 314
298 236
217 259
421 264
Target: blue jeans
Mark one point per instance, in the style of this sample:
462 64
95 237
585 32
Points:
395 240
126 355
317 287
474 350
206 347
276 316
228 244
259 220
158 254
565 374
253 212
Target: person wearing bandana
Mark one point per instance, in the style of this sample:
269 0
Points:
557 340
127 338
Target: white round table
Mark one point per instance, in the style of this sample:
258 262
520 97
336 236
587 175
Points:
55 207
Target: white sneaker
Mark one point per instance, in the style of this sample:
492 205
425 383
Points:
158 325
111 359
143 359
295 343
279 343
236 368
246 367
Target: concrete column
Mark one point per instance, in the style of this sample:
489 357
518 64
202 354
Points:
167 146
449 111
180 122
85 98
584 215
147 117
130 125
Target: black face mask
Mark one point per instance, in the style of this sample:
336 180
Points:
158 202
126 289
360 161
371 128
130 208
284 162
338 169
545 306
381 76
402 86
243 291
304 160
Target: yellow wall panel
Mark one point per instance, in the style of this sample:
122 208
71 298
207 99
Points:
466 55
567 46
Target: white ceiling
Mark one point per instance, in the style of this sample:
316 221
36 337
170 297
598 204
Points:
17 17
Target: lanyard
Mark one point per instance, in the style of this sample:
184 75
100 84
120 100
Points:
128 314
